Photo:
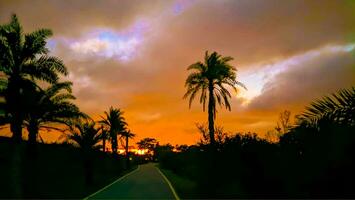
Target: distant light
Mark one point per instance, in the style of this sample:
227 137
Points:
135 151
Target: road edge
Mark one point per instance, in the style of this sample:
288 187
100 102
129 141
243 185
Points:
169 183
122 177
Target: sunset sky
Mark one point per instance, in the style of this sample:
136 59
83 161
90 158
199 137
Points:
133 55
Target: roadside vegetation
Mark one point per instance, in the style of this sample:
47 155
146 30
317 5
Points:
33 98
312 158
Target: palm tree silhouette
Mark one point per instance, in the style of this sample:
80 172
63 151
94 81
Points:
338 107
104 137
85 135
49 107
24 58
210 78
114 122
127 134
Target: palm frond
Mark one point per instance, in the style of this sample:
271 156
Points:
338 107
35 43
217 71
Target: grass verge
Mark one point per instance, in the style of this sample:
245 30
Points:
185 187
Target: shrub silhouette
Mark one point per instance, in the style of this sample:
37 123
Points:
313 159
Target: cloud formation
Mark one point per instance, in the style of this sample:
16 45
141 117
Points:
308 77
133 55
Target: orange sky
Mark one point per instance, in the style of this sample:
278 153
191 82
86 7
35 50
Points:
133 55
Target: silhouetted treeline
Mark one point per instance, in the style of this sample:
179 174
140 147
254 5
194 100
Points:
58 172
315 158
33 98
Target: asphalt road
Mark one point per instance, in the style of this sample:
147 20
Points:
144 183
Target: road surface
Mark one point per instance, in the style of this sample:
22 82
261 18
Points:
146 182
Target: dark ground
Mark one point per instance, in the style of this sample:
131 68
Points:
56 172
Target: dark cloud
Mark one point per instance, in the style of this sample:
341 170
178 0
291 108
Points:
253 31
72 18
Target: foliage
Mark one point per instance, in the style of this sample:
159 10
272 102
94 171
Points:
115 124
338 107
147 143
284 123
23 59
50 107
58 173
211 78
313 159
127 134
283 126
84 134
220 134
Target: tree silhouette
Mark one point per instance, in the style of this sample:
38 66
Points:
50 107
85 135
104 137
210 78
114 122
24 59
147 143
220 134
284 123
127 134
338 107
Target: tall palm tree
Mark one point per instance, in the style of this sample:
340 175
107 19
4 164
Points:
23 59
49 107
210 78
114 122
127 134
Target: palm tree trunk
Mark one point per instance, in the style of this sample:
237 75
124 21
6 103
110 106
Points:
16 159
31 160
16 179
127 146
32 139
114 144
211 114
32 133
13 98
127 154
